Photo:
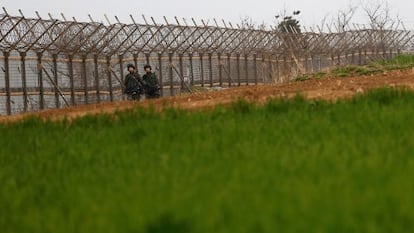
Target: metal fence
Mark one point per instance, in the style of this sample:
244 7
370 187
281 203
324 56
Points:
51 63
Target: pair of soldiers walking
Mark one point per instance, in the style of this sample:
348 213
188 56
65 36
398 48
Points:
135 86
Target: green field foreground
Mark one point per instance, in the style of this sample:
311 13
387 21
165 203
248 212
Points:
289 166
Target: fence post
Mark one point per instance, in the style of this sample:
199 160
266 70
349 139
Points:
170 68
264 77
305 63
202 69
270 69
7 81
97 84
160 74
365 56
229 68
24 80
135 56
56 80
190 57
220 74
71 78
346 58
121 67
319 63
246 69
285 68
210 66
180 60
353 57
279 69
85 80
40 80
255 69
238 69
339 59
109 74
312 62
292 63
147 58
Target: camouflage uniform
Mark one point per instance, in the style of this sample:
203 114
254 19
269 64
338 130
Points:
133 85
152 89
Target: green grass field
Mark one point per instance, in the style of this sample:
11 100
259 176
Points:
289 166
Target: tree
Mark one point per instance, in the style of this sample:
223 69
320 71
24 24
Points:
289 24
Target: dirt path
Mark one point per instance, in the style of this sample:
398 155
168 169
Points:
326 88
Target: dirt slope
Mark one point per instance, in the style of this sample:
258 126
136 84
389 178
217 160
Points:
326 88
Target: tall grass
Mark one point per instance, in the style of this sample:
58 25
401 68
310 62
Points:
289 166
400 62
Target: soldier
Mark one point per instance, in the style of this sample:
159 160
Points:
152 89
133 83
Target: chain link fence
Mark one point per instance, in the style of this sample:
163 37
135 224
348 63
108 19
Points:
53 63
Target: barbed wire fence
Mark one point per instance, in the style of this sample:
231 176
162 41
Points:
52 63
